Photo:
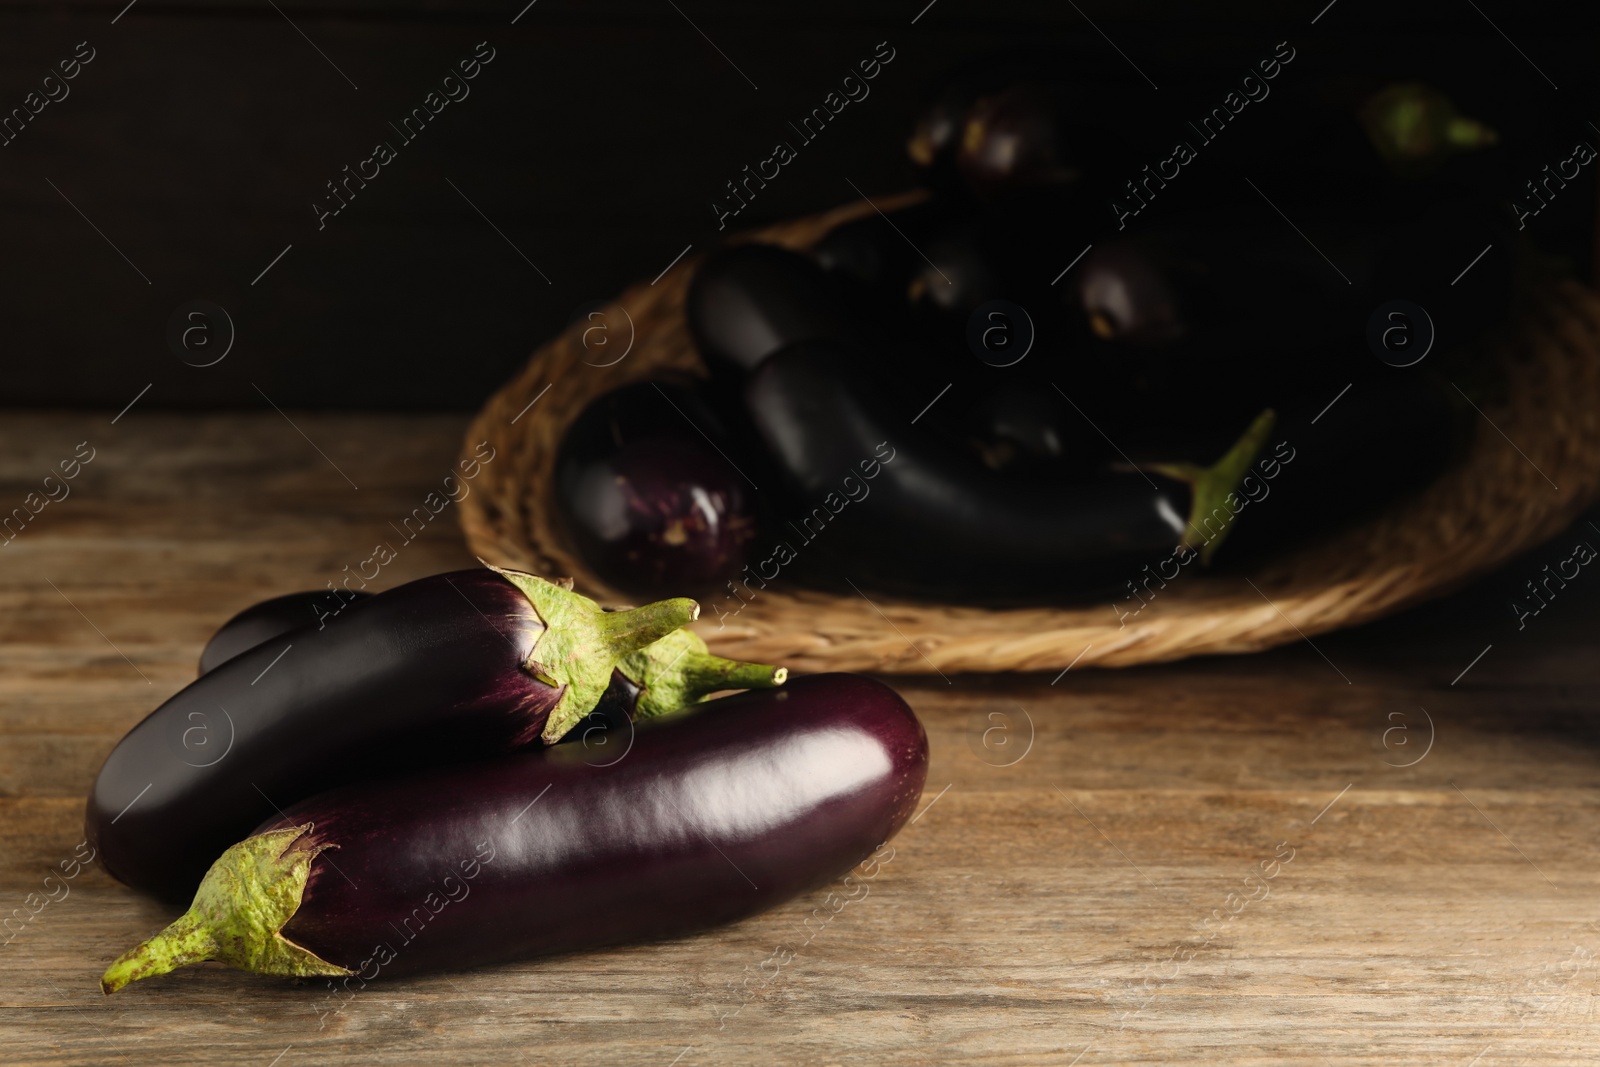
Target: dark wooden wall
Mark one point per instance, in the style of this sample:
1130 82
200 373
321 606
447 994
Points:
200 135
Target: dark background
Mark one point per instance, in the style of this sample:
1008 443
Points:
200 135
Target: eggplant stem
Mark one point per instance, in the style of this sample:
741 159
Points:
1210 487
582 644
679 670
237 917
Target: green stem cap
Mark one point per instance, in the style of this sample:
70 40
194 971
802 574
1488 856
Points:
679 670
237 917
582 644
1210 487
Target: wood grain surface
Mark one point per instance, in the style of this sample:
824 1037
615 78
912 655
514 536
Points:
1074 889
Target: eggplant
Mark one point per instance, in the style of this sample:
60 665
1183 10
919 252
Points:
936 137
453 666
663 677
942 526
269 619
1018 427
710 818
746 301
651 504
1206 292
961 272
1240 313
876 254
1012 141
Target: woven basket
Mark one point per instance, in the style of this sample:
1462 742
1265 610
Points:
1497 501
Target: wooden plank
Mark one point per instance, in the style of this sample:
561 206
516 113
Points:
1049 905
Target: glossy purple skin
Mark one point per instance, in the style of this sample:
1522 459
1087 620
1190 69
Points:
280 615
659 516
426 672
710 817
264 621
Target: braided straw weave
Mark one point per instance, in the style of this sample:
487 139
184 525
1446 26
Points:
1496 502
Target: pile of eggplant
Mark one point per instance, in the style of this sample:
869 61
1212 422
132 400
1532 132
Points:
1007 391
483 766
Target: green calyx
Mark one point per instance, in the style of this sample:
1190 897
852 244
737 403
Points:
1210 487
679 670
1415 126
237 917
582 644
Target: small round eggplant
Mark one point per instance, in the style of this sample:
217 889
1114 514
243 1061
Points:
1240 289
962 271
446 667
651 504
1128 298
749 300
936 137
709 818
1013 141
933 522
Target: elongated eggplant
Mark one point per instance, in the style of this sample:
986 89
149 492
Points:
663 677
933 522
749 300
269 619
448 667
709 818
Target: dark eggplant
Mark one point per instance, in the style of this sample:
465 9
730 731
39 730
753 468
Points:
447 667
709 818
664 676
932 521
749 300
1208 293
1013 141
1241 312
962 271
936 136
1019 427
877 253
269 619
651 504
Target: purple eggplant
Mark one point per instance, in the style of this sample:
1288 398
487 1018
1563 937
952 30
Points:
709 818
651 504
662 677
269 619
1014 140
940 525
749 300
450 667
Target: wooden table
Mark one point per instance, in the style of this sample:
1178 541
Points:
1075 889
